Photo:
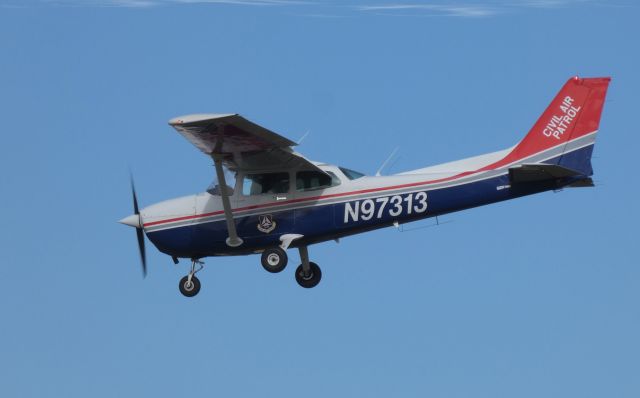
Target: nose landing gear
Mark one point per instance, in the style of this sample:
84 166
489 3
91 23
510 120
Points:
190 285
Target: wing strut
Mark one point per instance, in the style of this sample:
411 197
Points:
233 240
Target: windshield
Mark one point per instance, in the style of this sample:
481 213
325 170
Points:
230 179
351 174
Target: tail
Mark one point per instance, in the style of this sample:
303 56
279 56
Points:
565 133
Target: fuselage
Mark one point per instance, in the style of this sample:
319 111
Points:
194 226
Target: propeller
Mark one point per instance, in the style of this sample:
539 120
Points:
135 220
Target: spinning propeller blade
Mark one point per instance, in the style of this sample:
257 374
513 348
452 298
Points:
139 230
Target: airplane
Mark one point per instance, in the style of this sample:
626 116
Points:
267 198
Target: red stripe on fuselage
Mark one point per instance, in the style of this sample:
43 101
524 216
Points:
335 195
589 93
496 165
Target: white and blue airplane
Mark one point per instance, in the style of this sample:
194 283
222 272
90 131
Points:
269 198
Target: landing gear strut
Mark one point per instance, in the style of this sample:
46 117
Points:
308 274
190 285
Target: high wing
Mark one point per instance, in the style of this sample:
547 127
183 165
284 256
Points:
244 145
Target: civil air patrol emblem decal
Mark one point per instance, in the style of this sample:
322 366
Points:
266 223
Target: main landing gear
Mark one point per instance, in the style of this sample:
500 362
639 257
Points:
190 285
274 260
308 274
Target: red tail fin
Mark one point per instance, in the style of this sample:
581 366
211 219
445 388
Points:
575 112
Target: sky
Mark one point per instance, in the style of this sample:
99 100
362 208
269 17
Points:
533 297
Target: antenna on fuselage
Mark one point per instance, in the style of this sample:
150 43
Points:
386 161
304 136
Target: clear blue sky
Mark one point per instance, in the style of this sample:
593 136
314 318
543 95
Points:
537 297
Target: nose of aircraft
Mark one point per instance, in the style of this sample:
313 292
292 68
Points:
132 221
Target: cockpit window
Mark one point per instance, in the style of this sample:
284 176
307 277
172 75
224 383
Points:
310 180
230 179
351 174
263 183
214 189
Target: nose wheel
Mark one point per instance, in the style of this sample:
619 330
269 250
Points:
189 288
190 285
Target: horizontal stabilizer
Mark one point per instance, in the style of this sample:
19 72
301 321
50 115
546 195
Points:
539 172
584 183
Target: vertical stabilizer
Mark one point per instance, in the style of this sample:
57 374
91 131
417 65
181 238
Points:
569 126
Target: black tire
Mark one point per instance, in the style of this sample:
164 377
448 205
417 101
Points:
274 260
192 290
312 279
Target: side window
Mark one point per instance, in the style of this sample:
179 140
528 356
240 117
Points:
263 183
310 180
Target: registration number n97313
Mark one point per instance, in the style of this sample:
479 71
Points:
393 206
